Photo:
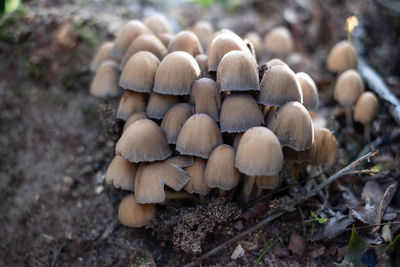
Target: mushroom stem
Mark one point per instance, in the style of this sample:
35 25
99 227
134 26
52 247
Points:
313 170
259 191
222 193
367 131
247 188
293 170
178 195
349 119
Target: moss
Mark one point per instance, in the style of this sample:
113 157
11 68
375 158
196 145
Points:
15 27
141 259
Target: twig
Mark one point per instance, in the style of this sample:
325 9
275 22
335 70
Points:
346 170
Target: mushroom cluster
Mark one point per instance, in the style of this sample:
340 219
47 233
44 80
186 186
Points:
198 117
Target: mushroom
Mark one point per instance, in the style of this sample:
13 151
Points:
196 183
202 60
206 97
366 110
343 56
105 82
134 117
279 42
159 105
176 74
143 141
133 214
204 31
199 136
309 90
349 87
130 103
256 40
267 182
158 23
186 41
276 61
165 38
174 119
103 54
326 148
238 71
121 173
139 72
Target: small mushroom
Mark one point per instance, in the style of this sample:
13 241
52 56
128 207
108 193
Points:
202 60
134 117
159 105
186 41
326 148
158 23
279 42
257 42
103 54
366 110
174 119
121 173
309 90
133 214
130 103
196 183
204 31
105 82
343 56
206 97
276 61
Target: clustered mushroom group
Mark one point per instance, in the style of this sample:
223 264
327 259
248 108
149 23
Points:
198 116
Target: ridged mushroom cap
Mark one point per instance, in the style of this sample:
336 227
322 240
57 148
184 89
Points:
204 31
259 153
103 54
134 117
268 182
121 173
186 41
202 60
130 103
196 183
158 23
293 126
174 119
257 42
326 148
349 87
133 214
309 90
367 108
105 82
176 74
343 56
279 85
279 42
240 113
139 72
238 71
206 97
199 136
159 105
143 141
220 169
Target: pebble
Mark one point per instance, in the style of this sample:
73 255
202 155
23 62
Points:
99 189
238 252
297 244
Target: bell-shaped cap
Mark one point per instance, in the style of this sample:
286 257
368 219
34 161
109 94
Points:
134 117
293 126
202 60
139 72
257 42
174 119
220 169
130 103
204 31
143 141
206 97
367 108
279 42
159 105
238 71
349 87
176 74
121 173
133 214
186 41
279 85
343 56
259 153
103 54
326 148
105 82
199 136
240 113
276 61
158 23
309 90
268 182
196 183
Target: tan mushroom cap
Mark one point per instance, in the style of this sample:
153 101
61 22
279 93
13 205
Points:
204 31
206 97
166 38
145 42
176 74
186 41
343 56
326 148
220 169
202 60
143 141
221 44
293 126
268 182
309 90
158 23
276 61
103 54
129 32
239 113
367 108
238 71
279 42
294 156
349 87
279 85
159 105
139 72
130 103
259 153
133 214
174 119
121 173
199 136
196 183
134 117
105 82
257 42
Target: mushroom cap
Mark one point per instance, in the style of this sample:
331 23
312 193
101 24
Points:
220 169
129 32
174 119
238 71
293 126
326 148
309 90
166 38
103 54
130 103
276 61
202 60
196 183
176 74
105 82
279 42
158 23
134 117
221 44
139 72
259 153
186 41
206 97
159 105
199 136
143 141
295 156
121 173
268 182
239 113
279 85
133 214
144 42
367 108
343 56
204 31
349 87
256 40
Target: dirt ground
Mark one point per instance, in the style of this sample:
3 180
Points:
55 147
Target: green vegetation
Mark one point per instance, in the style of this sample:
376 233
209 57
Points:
318 219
